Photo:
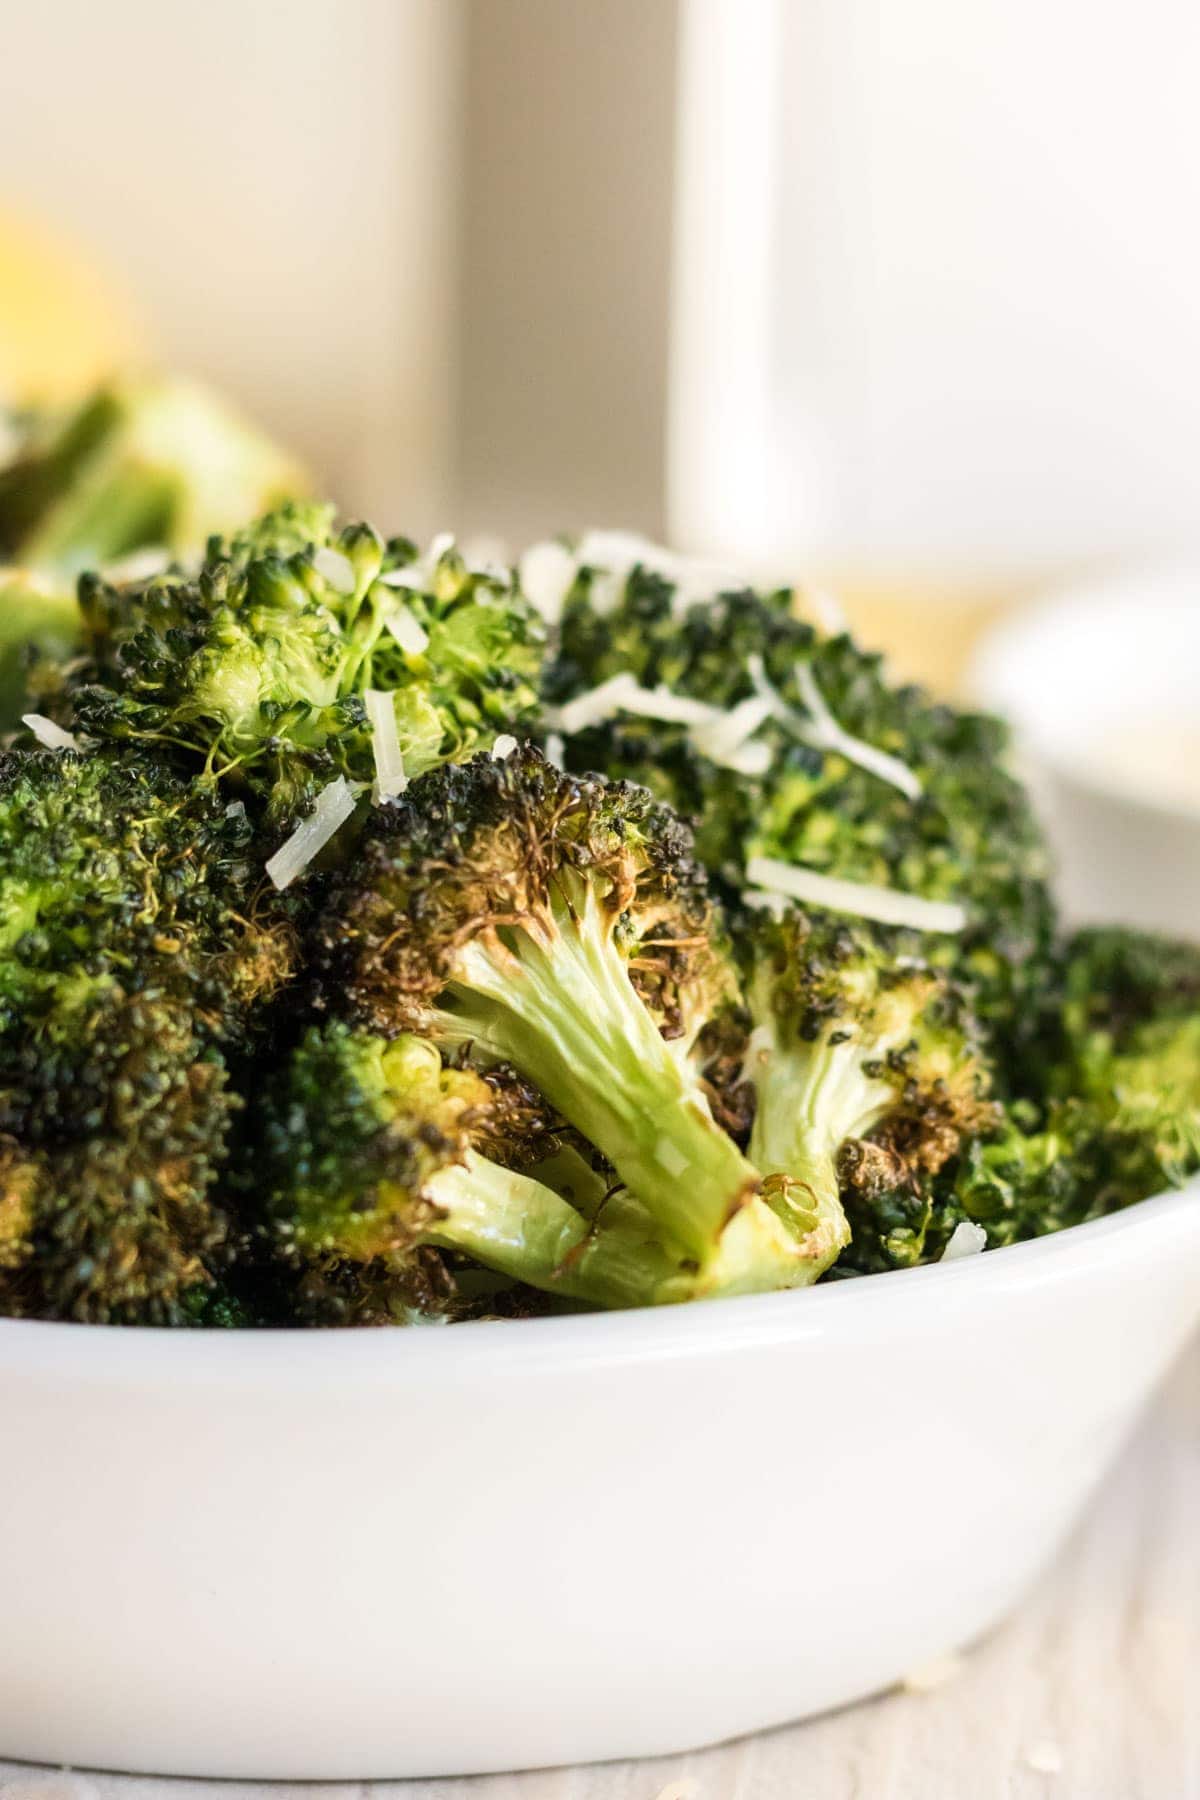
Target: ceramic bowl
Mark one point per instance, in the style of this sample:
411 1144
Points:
424 1552
1100 682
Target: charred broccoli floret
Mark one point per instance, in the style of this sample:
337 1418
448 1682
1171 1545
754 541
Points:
382 1159
1117 1121
862 1057
269 666
787 744
132 960
562 926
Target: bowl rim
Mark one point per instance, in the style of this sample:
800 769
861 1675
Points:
863 1307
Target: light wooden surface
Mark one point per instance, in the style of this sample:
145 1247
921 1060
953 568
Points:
1092 1692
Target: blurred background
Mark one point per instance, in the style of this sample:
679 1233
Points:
896 295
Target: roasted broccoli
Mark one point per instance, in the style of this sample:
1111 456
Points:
1118 1118
860 1051
789 746
146 471
134 960
381 1158
300 652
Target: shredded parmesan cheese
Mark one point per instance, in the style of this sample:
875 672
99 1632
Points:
823 732
334 806
965 1240
141 565
504 746
390 778
555 748
887 906
337 569
546 573
407 629
49 735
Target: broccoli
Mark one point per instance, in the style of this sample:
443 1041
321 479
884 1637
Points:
153 467
562 926
1117 1120
860 1052
382 1159
786 744
266 665
158 463
134 959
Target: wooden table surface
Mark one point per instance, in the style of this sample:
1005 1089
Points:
1092 1692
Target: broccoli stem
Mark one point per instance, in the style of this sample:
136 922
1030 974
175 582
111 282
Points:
811 1098
559 1004
517 1226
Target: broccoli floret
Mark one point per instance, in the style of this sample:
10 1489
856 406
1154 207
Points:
260 667
562 926
157 463
1119 1119
133 958
803 753
383 1172
860 1053
155 466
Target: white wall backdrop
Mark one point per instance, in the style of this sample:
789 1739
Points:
275 182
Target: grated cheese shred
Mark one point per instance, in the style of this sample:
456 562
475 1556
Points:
390 778
887 906
49 735
334 806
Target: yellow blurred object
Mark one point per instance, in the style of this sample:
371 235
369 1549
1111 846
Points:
926 632
63 325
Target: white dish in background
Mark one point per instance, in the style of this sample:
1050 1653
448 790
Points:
1100 683
425 1552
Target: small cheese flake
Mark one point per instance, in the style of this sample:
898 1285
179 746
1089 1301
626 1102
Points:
933 1674
1045 1758
556 750
504 746
887 906
967 1239
390 777
49 735
823 732
334 806
546 574
407 629
337 569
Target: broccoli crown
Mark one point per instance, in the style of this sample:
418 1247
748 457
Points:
1118 1120
152 463
133 957
359 1126
561 925
856 1034
257 666
830 767
497 850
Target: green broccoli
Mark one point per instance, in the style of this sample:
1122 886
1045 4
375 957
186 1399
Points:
855 1038
562 926
134 960
1117 1120
300 652
151 468
159 463
384 1189
789 745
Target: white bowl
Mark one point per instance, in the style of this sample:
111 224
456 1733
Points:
420 1552
1079 674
